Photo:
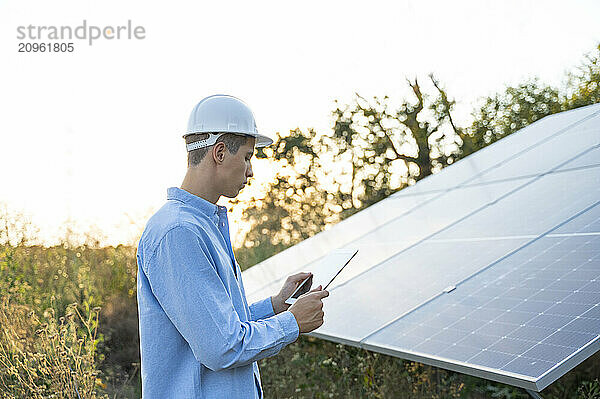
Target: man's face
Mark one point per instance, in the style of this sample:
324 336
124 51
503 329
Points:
238 168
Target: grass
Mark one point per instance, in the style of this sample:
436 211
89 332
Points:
48 357
56 342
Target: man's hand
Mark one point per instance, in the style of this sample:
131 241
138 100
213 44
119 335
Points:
308 310
290 285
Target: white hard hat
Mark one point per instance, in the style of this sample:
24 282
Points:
220 114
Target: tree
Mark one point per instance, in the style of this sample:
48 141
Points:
418 138
583 87
373 151
504 113
297 204
516 107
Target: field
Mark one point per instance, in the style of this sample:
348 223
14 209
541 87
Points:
69 324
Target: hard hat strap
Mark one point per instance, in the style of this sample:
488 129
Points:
207 142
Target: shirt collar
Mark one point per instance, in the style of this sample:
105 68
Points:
204 206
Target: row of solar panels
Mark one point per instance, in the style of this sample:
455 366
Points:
490 267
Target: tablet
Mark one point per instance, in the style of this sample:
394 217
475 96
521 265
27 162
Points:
324 272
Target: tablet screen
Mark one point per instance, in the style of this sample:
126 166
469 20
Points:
324 271
303 288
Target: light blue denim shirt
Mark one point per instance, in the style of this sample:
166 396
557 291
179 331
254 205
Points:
198 336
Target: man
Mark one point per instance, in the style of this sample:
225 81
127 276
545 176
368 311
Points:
199 338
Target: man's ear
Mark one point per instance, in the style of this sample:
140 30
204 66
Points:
219 152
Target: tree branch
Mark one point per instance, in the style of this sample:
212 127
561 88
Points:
389 139
432 131
406 158
446 106
417 90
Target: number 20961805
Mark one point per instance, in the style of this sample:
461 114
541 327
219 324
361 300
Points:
46 48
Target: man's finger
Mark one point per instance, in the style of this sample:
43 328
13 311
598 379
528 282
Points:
318 292
319 288
311 292
298 277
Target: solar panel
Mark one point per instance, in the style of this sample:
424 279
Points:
432 214
534 208
394 287
526 321
589 158
367 254
589 224
518 145
551 153
490 267
275 269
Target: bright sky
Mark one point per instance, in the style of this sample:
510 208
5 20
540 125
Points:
94 136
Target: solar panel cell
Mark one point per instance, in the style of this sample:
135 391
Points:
584 324
549 321
571 339
515 317
531 333
459 352
533 306
449 335
527 366
511 346
589 224
567 309
549 353
431 346
593 313
490 358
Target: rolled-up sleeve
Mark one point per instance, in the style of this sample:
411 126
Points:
186 284
262 309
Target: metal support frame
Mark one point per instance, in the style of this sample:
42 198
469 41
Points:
533 394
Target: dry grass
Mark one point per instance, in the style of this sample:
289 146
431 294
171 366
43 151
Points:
48 357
